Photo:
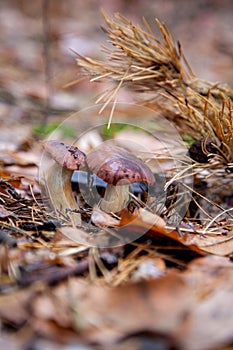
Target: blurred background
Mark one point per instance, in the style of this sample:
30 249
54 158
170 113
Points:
37 39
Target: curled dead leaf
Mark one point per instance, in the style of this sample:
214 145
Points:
213 243
102 219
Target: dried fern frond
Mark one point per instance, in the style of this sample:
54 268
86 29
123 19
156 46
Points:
142 63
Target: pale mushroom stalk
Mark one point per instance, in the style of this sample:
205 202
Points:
115 198
58 182
59 189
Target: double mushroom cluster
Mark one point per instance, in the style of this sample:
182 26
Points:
114 165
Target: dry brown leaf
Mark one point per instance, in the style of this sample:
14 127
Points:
12 307
192 309
102 219
77 235
104 314
213 243
144 218
51 330
217 269
49 308
18 158
12 179
210 322
152 225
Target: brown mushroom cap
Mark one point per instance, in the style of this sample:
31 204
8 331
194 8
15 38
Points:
69 157
116 166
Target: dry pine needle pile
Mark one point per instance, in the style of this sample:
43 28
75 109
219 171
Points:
142 63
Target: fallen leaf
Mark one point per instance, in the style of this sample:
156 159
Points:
213 243
15 181
143 218
192 310
12 307
144 222
104 315
102 219
210 322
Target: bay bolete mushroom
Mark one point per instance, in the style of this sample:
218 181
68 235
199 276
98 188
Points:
119 168
67 159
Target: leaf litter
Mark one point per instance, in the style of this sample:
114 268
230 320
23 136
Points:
172 287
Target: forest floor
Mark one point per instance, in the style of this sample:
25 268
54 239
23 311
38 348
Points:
164 289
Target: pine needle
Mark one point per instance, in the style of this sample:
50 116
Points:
157 66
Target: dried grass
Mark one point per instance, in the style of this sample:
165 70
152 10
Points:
142 63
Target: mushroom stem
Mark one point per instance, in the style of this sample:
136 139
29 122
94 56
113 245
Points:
115 198
60 192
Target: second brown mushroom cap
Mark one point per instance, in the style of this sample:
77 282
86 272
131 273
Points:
119 168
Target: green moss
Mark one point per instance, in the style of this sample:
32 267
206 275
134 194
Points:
187 138
46 129
116 128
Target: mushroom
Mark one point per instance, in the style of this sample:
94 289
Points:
119 168
67 159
